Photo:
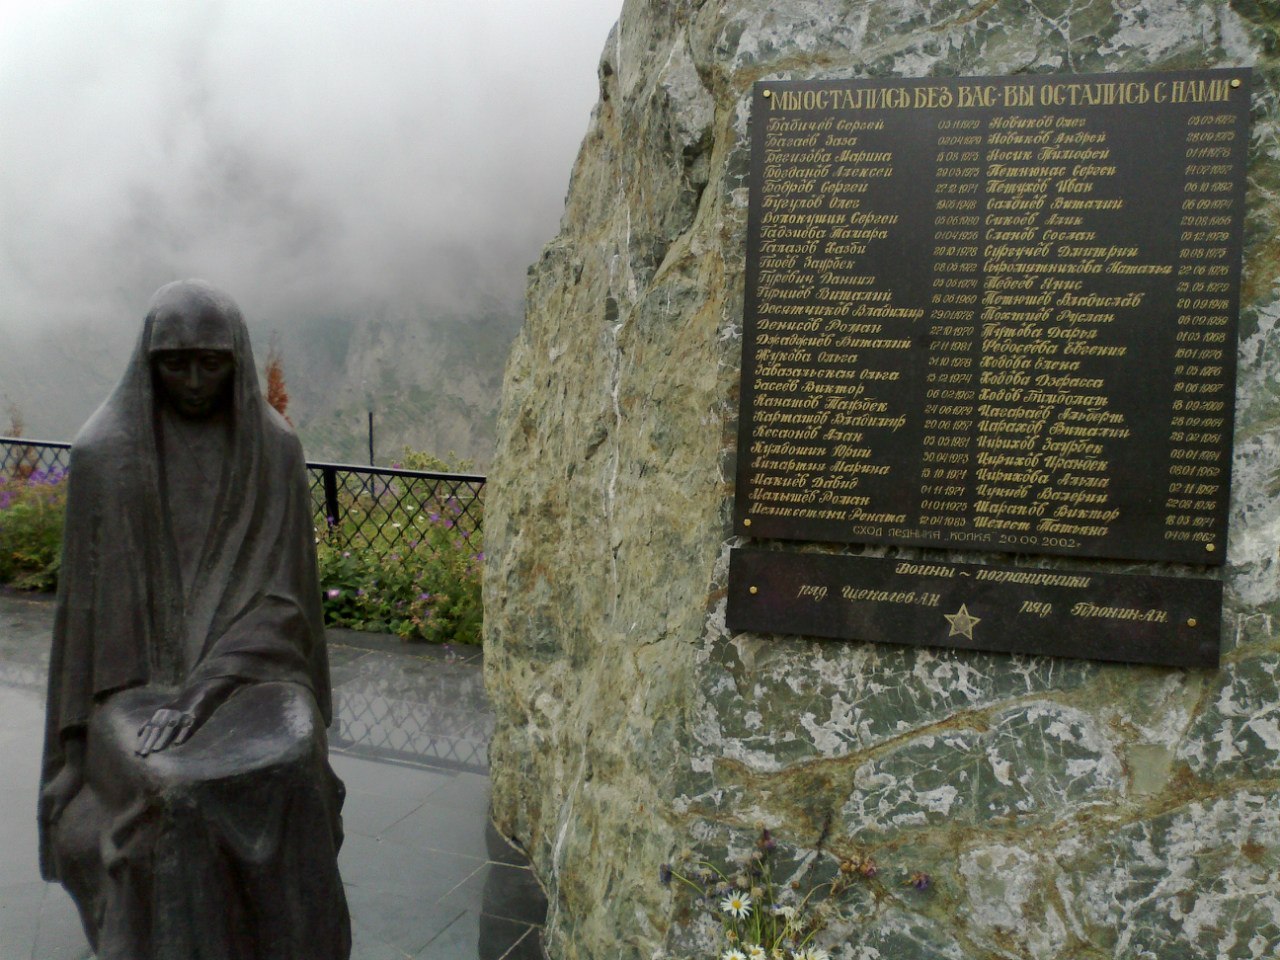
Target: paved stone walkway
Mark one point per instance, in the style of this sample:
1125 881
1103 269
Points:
427 876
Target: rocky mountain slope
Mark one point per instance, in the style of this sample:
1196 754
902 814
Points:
432 381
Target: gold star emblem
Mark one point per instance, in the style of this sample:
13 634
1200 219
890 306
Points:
962 623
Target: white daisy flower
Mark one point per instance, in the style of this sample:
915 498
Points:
756 952
733 955
736 904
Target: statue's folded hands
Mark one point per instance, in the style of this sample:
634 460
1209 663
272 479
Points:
175 722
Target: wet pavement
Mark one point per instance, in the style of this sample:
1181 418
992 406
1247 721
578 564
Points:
426 874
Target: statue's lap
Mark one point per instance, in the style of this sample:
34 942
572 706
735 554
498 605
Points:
262 726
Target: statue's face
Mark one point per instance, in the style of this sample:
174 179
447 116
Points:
195 382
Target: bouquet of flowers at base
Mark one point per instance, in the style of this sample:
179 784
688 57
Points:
762 918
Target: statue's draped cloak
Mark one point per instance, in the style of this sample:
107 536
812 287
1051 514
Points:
127 637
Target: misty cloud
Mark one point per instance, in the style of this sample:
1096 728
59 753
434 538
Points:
311 158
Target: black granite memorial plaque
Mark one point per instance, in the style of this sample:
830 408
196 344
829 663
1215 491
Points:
1066 613
994 313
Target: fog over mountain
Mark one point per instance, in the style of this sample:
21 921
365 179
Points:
327 163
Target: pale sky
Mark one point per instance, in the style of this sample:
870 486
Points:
312 156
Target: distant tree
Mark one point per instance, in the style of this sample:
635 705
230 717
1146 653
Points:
21 460
16 422
277 395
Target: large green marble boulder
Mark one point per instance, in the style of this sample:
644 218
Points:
1063 809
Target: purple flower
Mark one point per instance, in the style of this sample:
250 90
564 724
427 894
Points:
920 881
424 596
333 593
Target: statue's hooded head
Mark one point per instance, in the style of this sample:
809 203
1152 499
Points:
194 341
203 332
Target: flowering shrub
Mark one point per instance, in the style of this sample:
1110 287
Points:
760 918
32 506
425 587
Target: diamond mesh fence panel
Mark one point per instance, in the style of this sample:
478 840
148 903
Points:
24 676
382 509
33 461
422 724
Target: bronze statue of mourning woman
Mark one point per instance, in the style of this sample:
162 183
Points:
187 802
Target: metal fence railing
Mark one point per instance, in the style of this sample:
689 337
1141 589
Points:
441 719
379 507
32 459
24 676
376 507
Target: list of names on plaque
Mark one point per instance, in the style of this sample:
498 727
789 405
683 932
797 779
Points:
994 313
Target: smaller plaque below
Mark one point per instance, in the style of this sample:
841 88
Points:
1174 621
